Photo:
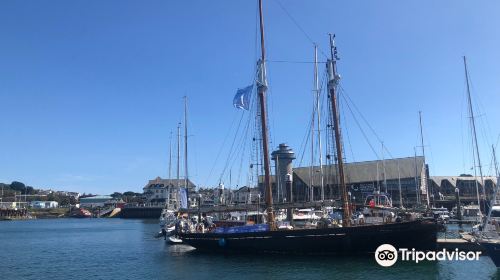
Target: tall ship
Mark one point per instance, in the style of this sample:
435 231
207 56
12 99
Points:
348 237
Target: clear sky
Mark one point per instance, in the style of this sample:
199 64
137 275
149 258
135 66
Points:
90 90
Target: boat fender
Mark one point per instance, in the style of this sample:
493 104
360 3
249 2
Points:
372 203
222 242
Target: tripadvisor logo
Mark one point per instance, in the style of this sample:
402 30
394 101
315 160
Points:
387 255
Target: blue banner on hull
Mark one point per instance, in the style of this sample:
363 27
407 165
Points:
243 229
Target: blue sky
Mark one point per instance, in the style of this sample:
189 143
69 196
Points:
90 90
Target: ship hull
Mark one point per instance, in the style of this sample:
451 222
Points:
493 251
421 235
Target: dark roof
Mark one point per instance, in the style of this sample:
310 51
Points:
247 189
438 180
366 171
171 182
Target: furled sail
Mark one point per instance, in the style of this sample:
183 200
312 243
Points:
183 194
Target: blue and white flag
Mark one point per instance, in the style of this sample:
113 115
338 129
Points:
242 98
183 198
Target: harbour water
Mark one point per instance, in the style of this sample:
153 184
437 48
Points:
127 249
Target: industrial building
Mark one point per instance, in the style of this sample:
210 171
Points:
404 179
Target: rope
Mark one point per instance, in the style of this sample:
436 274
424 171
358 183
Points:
221 147
294 62
299 27
360 127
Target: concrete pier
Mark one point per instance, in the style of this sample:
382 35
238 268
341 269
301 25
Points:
451 244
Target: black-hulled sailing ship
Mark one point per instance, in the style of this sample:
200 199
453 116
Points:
348 239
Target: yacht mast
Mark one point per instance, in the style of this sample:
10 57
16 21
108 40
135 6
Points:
494 198
417 189
318 112
474 139
383 169
399 188
169 186
333 80
261 89
178 164
170 158
378 179
311 168
186 174
424 179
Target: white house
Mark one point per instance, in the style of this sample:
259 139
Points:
246 195
44 204
165 191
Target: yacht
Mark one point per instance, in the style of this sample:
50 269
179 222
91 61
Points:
305 218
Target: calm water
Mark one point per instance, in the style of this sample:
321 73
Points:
126 249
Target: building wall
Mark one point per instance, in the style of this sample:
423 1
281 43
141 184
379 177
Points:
165 191
410 188
98 201
359 191
466 186
44 204
246 195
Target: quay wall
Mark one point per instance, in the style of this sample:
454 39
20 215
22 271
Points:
141 212
13 214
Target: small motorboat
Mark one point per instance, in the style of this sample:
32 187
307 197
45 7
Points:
81 213
173 240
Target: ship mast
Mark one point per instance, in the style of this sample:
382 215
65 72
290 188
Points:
333 80
261 89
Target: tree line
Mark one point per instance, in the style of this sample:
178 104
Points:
18 191
8 193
